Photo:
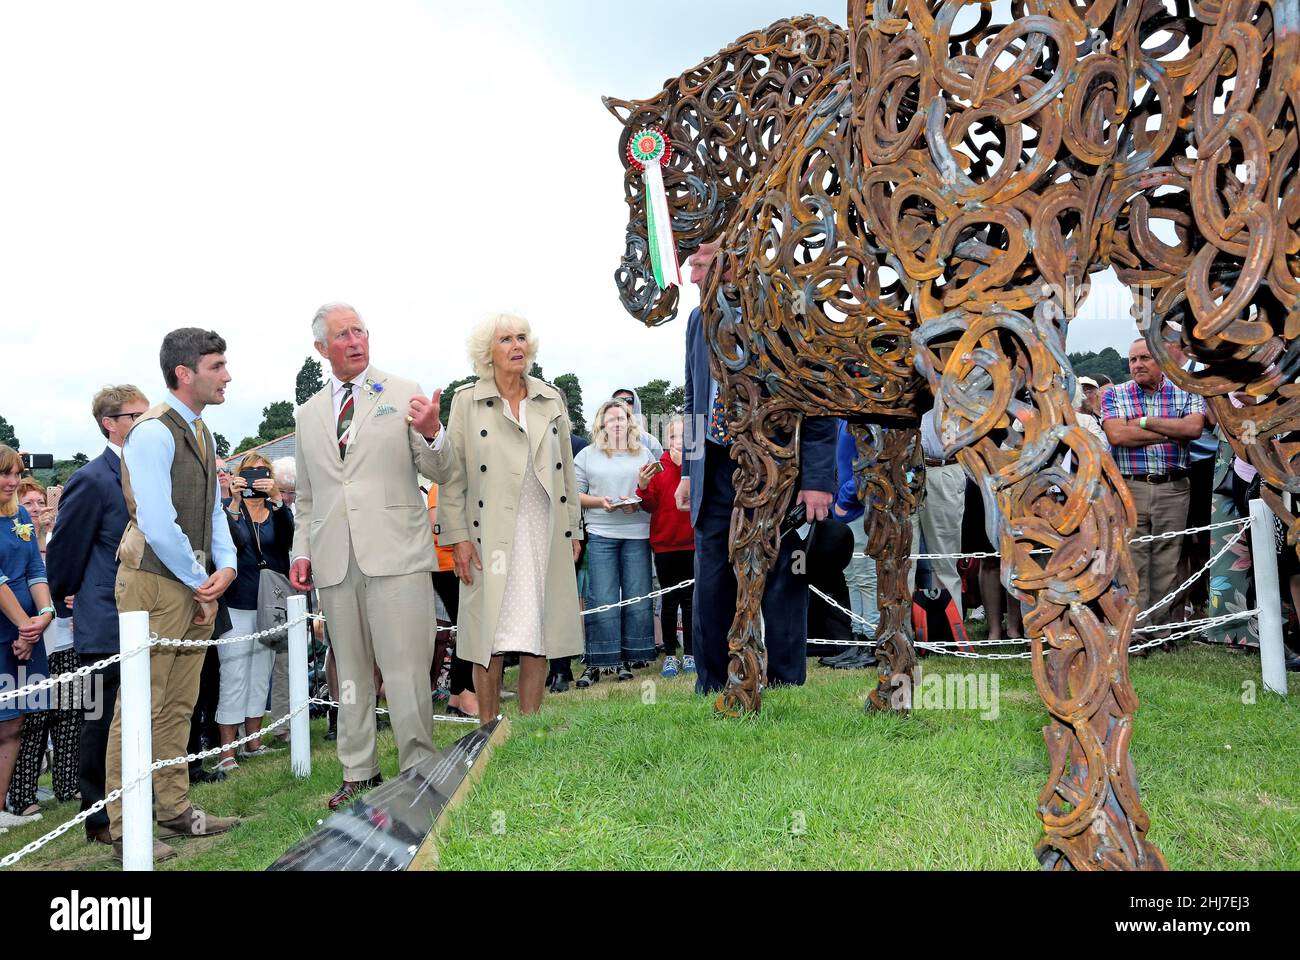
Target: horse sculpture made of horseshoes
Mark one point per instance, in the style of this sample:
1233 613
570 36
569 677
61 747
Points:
908 212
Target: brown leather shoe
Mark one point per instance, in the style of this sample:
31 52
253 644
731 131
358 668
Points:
195 823
161 851
351 789
99 835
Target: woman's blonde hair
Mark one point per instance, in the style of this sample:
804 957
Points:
600 437
27 484
484 335
257 460
10 462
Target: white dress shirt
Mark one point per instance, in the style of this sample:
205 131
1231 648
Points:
336 390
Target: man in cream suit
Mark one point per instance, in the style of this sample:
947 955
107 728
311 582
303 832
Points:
362 538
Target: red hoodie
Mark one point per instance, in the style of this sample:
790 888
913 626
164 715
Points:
670 528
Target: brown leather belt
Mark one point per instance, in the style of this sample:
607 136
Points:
1155 477
931 462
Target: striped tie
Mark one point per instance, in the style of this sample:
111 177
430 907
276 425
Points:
345 420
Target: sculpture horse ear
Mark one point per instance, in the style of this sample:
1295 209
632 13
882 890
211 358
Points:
652 111
614 105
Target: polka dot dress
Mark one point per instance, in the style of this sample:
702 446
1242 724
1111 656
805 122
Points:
520 628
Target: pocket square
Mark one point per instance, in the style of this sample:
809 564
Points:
384 410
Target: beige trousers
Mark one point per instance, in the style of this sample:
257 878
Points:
940 520
174 688
387 621
1161 507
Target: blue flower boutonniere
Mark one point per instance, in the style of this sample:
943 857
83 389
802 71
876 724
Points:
372 389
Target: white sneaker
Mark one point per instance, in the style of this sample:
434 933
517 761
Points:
8 819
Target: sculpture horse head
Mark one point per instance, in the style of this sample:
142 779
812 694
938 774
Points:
724 118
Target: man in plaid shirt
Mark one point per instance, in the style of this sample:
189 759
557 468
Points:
1150 424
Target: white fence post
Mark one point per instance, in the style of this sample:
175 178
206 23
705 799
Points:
1272 659
300 725
137 742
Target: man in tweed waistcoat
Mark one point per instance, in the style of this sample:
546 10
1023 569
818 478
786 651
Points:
176 560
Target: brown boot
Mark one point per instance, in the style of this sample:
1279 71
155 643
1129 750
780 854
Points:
161 851
351 789
195 823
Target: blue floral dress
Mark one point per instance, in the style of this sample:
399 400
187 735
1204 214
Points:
1231 576
21 567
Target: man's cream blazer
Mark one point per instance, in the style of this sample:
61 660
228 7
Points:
370 503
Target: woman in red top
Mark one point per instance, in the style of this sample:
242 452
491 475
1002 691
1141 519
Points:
673 543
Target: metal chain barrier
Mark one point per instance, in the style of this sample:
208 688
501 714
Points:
62 678
217 751
945 647
1232 542
631 600
614 606
1150 538
941 647
1243 524
84 815
154 641
437 717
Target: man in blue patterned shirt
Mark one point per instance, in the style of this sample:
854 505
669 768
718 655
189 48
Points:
1150 424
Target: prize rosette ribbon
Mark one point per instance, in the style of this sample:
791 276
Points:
648 151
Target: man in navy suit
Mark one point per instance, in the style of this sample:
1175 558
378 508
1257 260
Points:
81 563
707 489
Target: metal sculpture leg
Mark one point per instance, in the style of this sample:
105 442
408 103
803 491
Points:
891 478
765 450
989 371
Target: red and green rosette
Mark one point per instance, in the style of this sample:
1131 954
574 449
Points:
648 152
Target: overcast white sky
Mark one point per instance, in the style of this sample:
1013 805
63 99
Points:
233 165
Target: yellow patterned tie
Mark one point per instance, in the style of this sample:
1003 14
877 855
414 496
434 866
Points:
203 446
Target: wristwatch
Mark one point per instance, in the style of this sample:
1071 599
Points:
45 610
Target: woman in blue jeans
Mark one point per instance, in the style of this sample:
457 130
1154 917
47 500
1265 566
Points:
608 472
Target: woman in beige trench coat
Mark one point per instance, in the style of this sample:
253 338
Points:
510 512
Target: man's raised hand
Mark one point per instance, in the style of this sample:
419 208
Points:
424 414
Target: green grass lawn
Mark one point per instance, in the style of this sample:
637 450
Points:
642 776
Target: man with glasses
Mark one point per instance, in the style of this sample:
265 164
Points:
82 563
